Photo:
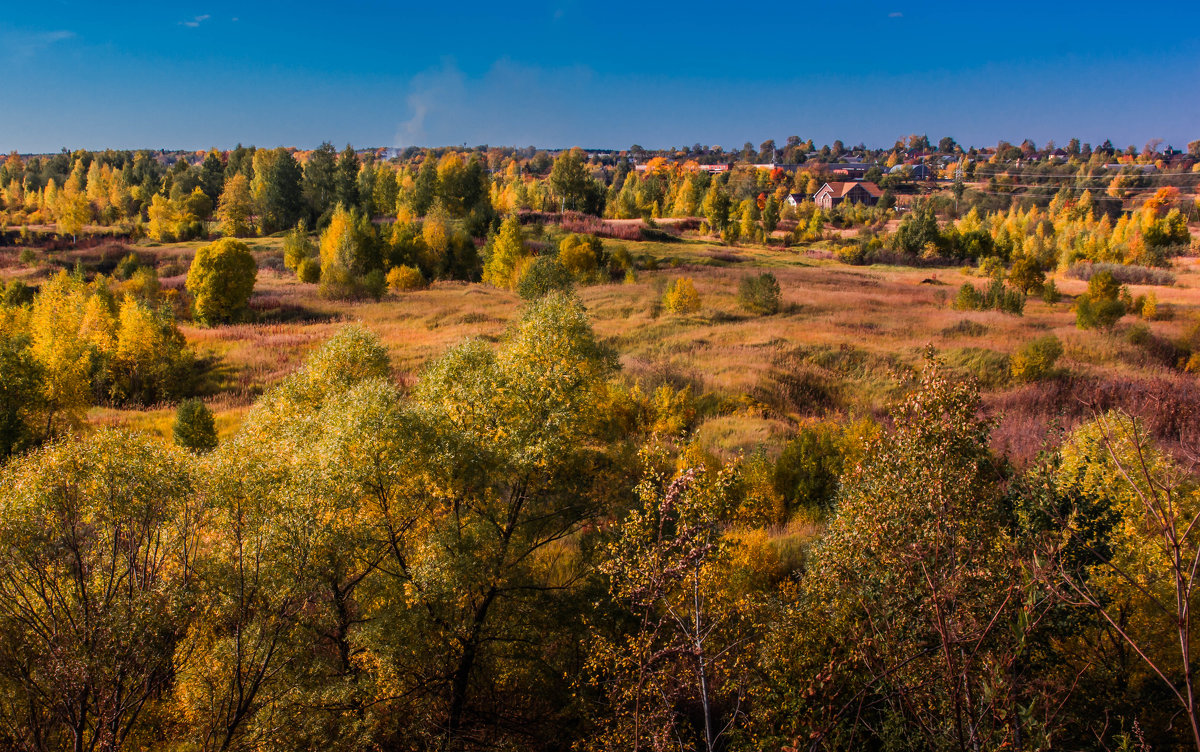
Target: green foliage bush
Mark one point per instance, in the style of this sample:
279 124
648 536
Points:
759 294
542 276
194 427
1102 305
1036 360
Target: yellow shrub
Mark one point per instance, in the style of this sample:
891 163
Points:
404 278
681 296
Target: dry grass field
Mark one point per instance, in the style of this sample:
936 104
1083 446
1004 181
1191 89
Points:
844 343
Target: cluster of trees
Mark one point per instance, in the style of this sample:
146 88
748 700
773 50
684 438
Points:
1035 240
524 551
77 343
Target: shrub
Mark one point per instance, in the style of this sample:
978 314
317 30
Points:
221 280
1050 292
1126 274
1102 305
620 260
581 256
309 271
542 276
374 284
1036 359
17 293
759 294
807 471
1027 275
404 278
681 296
28 257
194 427
968 298
297 247
995 297
127 266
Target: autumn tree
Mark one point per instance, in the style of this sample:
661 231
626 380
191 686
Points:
97 584
507 255
349 253
221 280
235 207
666 568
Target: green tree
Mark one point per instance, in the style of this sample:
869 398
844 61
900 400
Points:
1027 275
221 280
913 578
194 426
22 399
277 190
347 177
759 294
321 180
666 570
569 179
1101 306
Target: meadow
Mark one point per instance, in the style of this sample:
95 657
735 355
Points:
846 341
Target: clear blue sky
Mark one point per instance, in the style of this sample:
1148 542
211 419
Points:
207 73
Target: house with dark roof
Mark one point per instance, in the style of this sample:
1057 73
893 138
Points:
855 192
795 199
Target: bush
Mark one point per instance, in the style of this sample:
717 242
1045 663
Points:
374 284
968 298
807 471
1102 305
681 296
404 278
17 293
28 257
297 247
221 280
1036 360
1027 275
1126 274
759 294
1050 292
995 297
127 266
620 260
542 276
581 256
309 271
194 427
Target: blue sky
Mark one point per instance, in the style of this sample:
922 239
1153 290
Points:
200 74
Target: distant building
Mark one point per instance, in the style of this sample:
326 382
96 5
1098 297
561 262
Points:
795 199
850 169
913 171
859 192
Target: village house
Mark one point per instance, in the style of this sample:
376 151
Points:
859 192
